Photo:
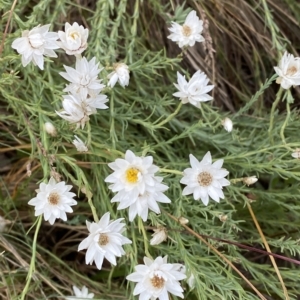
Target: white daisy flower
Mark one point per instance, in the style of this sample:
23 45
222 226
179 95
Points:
227 124
140 204
156 278
195 91
74 39
80 294
80 145
132 175
84 78
189 33
105 240
53 200
75 111
288 71
120 73
35 44
205 179
160 235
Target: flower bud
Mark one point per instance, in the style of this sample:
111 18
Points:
120 73
296 154
250 180
183 221
50 129
160 235
227 124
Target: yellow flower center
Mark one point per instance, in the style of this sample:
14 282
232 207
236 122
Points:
157 282
53 198
132 175
205 179
103 239
186 30
74 35
291 71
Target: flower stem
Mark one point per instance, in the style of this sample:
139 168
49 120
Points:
170 117
170 171
32 261
142 228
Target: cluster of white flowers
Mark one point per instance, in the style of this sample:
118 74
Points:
134 178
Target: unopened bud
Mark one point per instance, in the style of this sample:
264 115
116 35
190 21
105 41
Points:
250 180
183 221
160 235
227 124
223 218
296 154
50 129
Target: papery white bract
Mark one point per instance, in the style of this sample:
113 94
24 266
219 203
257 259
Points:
35 44
80 294
53 200
120 73
160 235
195 91
50 129
205 179
140 204
288 71
105 240
227 124
156 278
250 180
84 78
80 145
296 153
189 33
74 39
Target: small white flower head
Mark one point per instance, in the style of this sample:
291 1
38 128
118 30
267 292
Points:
74 39
195 91
120 73
288 71
80 294
105 240
142 203
183 221
35 44
80 145
75 111
53 200
205 179
190 280
250 180
132 175
156 278
296 153
160 235
96 101
189 33
50 129
84 78
227 124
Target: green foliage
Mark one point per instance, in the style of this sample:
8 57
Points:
143 117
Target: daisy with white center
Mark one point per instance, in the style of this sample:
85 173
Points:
84 78
288 71
156 278
195 91
35 44
189 33
74 39
132 175
105 240
80 294
140 204
205 179
80 145
120 73
53 200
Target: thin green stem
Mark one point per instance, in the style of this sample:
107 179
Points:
285 124
170 171
93 209
32 261
272 115
169 118
142 228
